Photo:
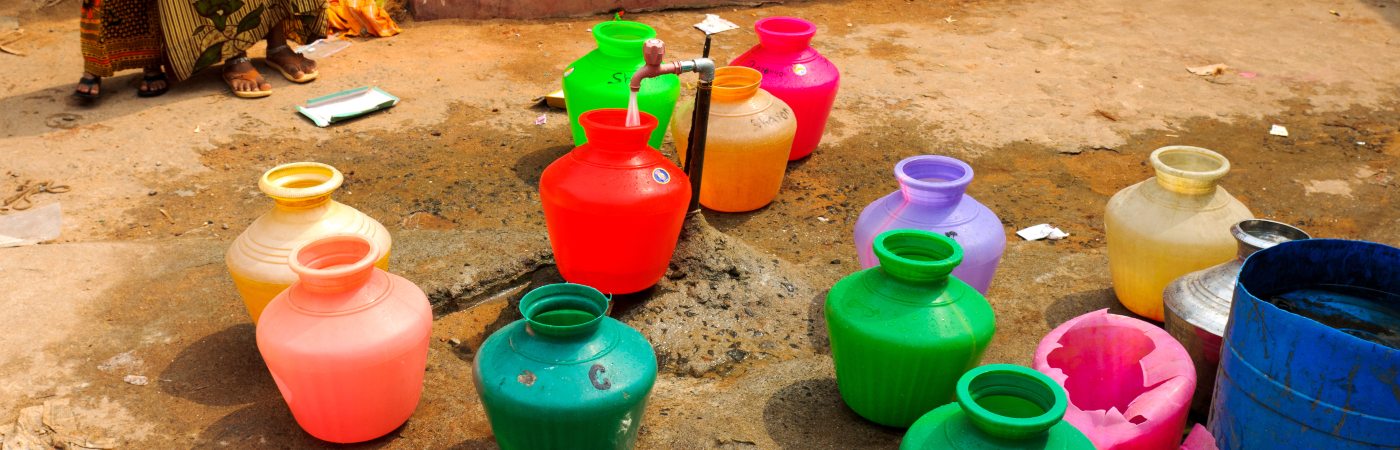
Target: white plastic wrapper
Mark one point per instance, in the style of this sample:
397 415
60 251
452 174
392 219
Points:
32 226
713 24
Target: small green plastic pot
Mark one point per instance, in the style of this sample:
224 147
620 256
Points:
999 406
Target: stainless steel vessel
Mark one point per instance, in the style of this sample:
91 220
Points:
1198 303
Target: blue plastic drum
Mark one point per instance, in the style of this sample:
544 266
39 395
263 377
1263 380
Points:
1312 350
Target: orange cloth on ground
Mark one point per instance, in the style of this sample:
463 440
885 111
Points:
360 18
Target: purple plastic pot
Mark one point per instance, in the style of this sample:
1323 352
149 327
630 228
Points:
932 196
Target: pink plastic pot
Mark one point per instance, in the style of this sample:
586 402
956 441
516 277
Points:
346 343
1129 382
1199 439
797 74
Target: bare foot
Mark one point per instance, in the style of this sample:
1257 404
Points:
244 80
297 67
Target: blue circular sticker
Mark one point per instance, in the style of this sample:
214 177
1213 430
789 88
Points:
660 175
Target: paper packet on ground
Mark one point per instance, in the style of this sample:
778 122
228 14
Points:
346 105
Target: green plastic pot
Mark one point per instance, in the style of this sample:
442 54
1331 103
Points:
600 79
999 406
566 376
904 331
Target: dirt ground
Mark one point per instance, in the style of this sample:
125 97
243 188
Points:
1056 105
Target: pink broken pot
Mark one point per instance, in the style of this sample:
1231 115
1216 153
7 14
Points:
1129 382
1199 439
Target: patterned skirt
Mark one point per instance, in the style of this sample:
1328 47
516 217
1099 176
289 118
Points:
119 35
202 33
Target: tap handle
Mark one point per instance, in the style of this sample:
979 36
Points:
654 51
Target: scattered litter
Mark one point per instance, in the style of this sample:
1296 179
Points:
823 219
949 19
196 129
22 199
1106 115
1360 142
1208 71
166 214
322 48
55 424
713 24
123 360
31 227
1042 231
1278 130
1334 12
345 105
138 380
184 193
1248 74
542 119
10 32
553 99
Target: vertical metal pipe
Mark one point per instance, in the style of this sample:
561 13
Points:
706 53
695 151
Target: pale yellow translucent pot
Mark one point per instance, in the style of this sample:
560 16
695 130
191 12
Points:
1172 224
302 211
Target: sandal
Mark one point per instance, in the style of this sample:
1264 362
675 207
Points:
252 76
90 81
149 77
306 77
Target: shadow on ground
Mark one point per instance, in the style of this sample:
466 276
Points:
1069 306
221 369
269 424
810 414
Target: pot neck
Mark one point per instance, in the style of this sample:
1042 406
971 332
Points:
1009 401
917 256
331 265
1257 234
607 131
564 311
784 34
933 180
300 185
621 38
1188 170
735 84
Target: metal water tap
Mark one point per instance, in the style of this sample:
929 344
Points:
654 53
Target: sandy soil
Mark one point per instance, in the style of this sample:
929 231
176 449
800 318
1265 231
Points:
1056 105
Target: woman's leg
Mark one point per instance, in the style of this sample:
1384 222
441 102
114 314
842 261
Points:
278 53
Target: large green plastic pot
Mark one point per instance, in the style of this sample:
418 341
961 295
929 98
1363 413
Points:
904 331
600 79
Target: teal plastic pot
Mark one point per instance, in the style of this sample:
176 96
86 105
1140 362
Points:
566 376
999 406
